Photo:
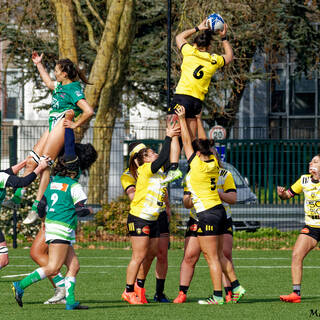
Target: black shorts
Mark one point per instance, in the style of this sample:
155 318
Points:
311 232
229 227
60 241
2 238
192 105
138 227
163 224
192 228
212 222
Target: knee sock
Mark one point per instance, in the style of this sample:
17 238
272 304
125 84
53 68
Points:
70 283
58 280
235 284
33 277
129 287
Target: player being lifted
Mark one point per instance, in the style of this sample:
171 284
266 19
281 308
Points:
67 100
198 67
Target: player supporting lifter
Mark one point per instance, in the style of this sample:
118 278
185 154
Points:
201 182
63 200
8 178
129 185
145 208
198 67
227 192
309 236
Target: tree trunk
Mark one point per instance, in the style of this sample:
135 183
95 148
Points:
66 30
109 103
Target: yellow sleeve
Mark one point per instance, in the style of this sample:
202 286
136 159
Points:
297 186
187 49
229 183
127 180
219 59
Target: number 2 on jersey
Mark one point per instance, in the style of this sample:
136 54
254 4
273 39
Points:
198 73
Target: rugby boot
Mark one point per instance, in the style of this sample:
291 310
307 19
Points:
161 297
18 293
141 293
212 300
58 297
237 294
292 297
181 298
76 306
130 297
172 176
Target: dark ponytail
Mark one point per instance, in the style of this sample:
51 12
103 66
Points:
133 167
203 39
204 146
72 70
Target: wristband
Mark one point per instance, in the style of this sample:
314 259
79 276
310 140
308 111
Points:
224 38
197 29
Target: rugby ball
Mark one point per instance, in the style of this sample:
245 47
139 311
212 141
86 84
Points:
215 22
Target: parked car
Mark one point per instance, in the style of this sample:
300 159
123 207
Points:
244 196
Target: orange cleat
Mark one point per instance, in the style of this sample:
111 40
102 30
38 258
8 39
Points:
292 297
130 297
141 293
181 298
228 297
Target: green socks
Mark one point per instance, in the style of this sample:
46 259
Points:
70 283
33 277
58 280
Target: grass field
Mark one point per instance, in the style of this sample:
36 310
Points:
264 274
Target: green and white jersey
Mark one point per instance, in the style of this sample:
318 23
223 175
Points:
65 97
61 220
3 180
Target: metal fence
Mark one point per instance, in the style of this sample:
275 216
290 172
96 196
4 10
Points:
260 218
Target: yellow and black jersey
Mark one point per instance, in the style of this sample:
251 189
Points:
226 183
311 190
202 182
197 70
127 180
148 199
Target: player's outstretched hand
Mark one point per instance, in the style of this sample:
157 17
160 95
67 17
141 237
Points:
36 58
203 25
223 33
181 112
281 192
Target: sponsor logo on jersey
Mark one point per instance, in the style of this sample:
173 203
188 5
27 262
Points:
59 186
199 230
230 229
193 227
305 230
138 230
146 230
78 93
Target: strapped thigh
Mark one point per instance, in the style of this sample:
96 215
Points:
34 156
